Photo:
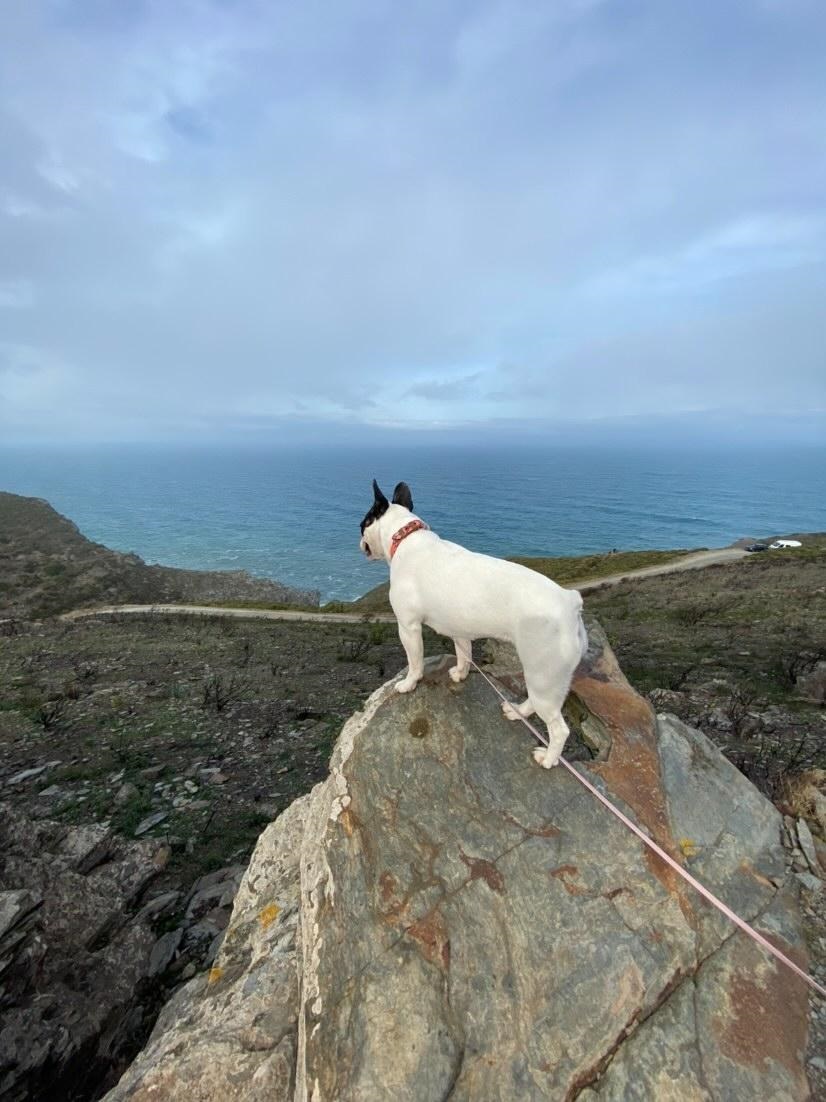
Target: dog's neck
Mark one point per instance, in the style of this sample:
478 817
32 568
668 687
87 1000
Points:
406 530
396 518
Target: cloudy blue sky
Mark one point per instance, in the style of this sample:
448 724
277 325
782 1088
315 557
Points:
240 218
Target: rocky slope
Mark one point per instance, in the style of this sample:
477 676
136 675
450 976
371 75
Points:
48 566
442 919
88 951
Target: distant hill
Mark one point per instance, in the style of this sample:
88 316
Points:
48 566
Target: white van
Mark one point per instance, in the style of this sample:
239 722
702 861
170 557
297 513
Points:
778 545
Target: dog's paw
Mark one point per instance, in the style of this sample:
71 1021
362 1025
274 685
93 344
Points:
545 758
509 710
407 684
457 674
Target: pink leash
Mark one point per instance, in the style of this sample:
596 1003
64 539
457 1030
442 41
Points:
704 892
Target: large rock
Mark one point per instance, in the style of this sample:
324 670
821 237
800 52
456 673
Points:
441 918
811 686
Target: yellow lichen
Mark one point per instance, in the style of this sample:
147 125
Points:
268 915
689 848
215 974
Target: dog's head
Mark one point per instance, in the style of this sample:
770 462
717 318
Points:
371 542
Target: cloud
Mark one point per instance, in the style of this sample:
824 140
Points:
450 214
16 294
739 249
446 390
32 385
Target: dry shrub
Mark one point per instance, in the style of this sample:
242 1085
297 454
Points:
803 795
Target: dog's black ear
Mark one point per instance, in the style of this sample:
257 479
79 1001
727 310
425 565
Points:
380 499
403 496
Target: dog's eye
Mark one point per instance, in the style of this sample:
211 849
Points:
374 514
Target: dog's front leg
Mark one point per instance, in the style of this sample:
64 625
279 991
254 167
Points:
411 637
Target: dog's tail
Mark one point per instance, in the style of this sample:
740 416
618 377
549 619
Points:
582 634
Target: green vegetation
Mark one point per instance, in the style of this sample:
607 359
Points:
217 721
730 643
756 620
569 571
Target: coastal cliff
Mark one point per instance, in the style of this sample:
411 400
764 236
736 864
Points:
440 918
48 566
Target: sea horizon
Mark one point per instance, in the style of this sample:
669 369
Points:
292 512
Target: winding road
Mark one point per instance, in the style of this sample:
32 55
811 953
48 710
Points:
694 561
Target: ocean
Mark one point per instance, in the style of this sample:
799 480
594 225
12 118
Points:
293 514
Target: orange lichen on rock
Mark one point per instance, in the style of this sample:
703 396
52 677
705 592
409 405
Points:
632 771
268 915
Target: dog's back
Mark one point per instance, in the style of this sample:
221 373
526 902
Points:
459 592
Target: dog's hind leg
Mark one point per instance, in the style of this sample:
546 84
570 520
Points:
411 637
558 733
463 655
549 657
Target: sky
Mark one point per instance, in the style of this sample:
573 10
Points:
247 220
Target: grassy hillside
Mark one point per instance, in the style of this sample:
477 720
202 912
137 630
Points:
219 722
731 646
760 619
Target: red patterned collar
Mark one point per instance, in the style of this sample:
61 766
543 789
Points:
414 526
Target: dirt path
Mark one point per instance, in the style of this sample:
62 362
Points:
688 562
239 613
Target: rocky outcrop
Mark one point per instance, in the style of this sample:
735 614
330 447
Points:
443 919
811 686
69 962
171 584
83 965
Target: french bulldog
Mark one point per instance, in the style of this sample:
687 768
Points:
465 596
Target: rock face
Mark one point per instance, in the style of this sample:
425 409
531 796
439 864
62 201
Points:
82 968
71 963
812 685
443 919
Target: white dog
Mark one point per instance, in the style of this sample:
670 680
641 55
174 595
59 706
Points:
465 596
